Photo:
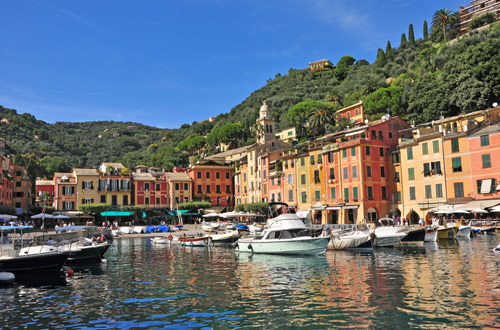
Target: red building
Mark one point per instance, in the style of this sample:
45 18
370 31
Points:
6 182
212 181
150 190
44 192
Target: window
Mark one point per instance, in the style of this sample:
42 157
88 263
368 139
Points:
380 135
459 189
207 175
19 173
316 177
332 173
228 188
333 193
244 177
428 191
18 183
285 162
346 173
427 169
425 148
382 171
264 175
289 178
227 175
384 193
217 175
439 190
486 186
312 159
374 134
355 194
304 197
399 196
320 159
412 194
198 175
486 160
290 195
353 151
435 146
330 156
396 177
370 193
302 179
146 200
390 135
114 200
344 153
103 198
485 140
346 194
265 190
409 153
217 189
177 186
454 145
207 190
158 187
317 195
436 168
302 161
354 171
381 152
368 171
198 189
411 173
456 164
367 151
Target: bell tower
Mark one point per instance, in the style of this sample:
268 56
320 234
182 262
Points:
266 131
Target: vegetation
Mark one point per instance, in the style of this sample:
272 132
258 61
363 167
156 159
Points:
255 208
194 206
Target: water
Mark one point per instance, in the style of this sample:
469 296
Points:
145 286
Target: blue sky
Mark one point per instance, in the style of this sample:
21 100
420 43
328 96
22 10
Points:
165 63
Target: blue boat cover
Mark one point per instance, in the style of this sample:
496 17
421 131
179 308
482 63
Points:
163 229
150 229
241 226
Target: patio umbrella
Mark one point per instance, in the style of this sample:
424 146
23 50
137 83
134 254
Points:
478 211
61 216
42 216
211 215
7 216
460 211
443 212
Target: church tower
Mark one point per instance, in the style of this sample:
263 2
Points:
266 132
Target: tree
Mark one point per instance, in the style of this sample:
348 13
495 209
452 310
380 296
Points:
411 35
426 31
301 114
380 61
379 102
192 144
320 119
388 50
440 19
403 42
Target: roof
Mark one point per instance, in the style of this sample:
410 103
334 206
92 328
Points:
176 176
118 166
229 152
142 176
350 107
85 171
490 129
44 183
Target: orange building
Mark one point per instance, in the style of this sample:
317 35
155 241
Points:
180 187
212 181
21 197
352 113
6 181
65 191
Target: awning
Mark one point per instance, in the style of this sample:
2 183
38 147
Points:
303 213
318 208
116 213
480 204
355 132
350 207
486 186
495 209
498 187
333 208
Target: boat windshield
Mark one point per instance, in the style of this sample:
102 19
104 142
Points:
288 234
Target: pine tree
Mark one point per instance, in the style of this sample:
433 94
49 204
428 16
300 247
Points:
411 35
380 61
426 31
403 41
388 50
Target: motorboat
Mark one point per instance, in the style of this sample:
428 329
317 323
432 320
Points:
463 231
431 234
483 227
26 259
228 238
414 236
205 226
354 239
162 239
284 234
387 235
255 230
85 247
195 240
497 249
445 232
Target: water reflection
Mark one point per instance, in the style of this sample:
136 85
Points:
144 285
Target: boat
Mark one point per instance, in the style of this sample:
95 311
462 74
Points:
497 249
162 239
255 229
414 236
387 235
195 240
26 259
447 232
205 226
85 246
284 234
483 227
229 238
431 234
139 229
354 239
464 231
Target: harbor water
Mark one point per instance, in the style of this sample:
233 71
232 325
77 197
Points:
451 285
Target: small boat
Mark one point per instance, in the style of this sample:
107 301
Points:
356 239
162 240
195 240
85 246
229 238
447 232
497 249
139 229
205 226
431 234
255 229
483 227
464 231
387 235
414 236
284 234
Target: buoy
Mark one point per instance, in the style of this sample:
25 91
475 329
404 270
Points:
6 278
104 260
70 272
170 237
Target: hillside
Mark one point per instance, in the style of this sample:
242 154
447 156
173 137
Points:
419 81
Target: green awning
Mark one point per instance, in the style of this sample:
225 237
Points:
116 213
181 212
189 213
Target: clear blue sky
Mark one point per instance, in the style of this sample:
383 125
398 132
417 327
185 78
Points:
165 63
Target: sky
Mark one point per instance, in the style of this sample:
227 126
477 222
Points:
168 62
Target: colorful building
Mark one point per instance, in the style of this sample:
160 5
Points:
212 181
180 187
87 184
320 65
65 192
21 191
352 113
6 182
115 184
44 192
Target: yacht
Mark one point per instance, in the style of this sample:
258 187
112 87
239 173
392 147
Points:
284 234
355 239
387 234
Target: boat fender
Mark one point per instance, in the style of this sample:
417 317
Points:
7 278
170 237
70 272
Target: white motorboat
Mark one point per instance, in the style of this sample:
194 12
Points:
497 249
464 231
205 226
431 234
195 240
387 235
255 230
356 239
284 234
228 238
162 239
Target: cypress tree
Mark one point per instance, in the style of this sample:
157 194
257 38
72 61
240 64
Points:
388 50
411 35
426 31
403 41
380 61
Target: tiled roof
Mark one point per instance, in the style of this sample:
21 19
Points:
85 171
118 166
44 183
142 176
175 176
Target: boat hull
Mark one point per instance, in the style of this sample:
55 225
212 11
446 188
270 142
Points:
414 237
86 254
196 241
296 246
43 262
447 233
464 232
357 241
225 240
387 241
431 234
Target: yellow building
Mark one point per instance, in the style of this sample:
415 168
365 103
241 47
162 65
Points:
87 184
287 135
115 184
304 199
64 191
317 182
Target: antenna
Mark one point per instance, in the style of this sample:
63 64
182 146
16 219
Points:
495 104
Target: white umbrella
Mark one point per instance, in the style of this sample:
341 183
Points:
495 209
478 211
460 211
42 216
61 216
211 215
7 216
443 212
